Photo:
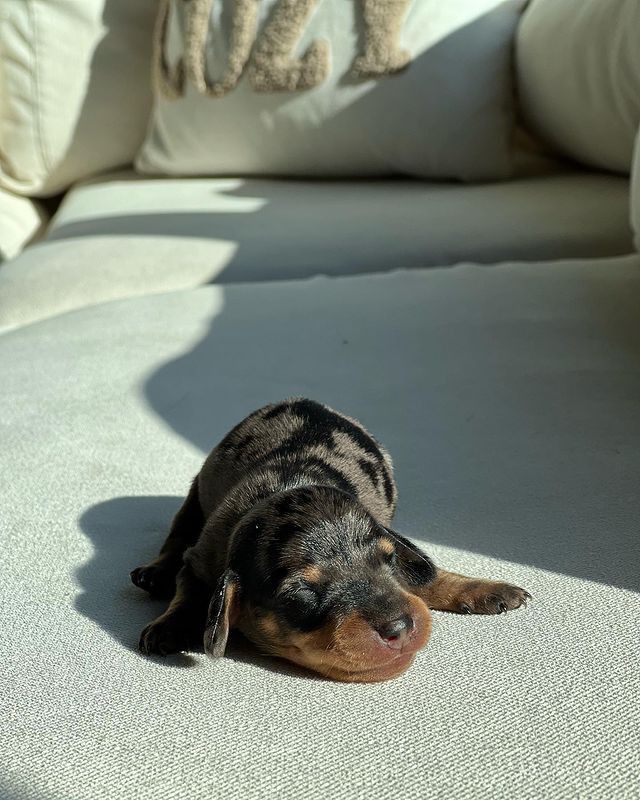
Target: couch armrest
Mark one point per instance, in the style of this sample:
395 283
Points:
21 221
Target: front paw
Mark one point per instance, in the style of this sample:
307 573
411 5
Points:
493 598
166 635
157 580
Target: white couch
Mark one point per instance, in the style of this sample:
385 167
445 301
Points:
488 334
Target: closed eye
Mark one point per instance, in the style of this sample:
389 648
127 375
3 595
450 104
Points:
305 596
299 593
302 606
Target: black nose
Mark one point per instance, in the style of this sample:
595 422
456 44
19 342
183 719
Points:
396 631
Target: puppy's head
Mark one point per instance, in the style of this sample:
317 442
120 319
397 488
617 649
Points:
313 578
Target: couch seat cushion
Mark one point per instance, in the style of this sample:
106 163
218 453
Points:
128 235
509 400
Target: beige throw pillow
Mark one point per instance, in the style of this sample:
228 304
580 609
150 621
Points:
75 90
579 77
333 88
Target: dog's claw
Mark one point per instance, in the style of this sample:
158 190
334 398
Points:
139 577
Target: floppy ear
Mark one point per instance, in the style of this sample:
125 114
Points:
223 611
413 567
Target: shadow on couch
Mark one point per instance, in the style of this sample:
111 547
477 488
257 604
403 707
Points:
508 400
511 413
502 469
126 532
122 531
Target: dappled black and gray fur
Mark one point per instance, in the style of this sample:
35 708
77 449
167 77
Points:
286 531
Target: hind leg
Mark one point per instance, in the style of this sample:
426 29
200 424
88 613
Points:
159 576
463 595
449 591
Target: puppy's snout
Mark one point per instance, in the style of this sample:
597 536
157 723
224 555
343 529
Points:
396 632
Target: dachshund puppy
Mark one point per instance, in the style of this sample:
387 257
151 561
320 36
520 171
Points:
285 535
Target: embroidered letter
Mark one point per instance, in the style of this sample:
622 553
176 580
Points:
382 54
169 81
272 69
271 66
243 31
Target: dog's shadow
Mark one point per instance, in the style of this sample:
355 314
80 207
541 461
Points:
127 532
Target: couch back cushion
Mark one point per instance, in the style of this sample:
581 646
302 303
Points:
333 88
75 89
578 65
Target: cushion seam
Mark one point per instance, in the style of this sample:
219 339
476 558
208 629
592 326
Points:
45 159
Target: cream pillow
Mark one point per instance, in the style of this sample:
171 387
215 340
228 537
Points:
333 88
75 91
579 77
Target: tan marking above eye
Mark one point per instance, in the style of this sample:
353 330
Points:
269 625
312 573
386 546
